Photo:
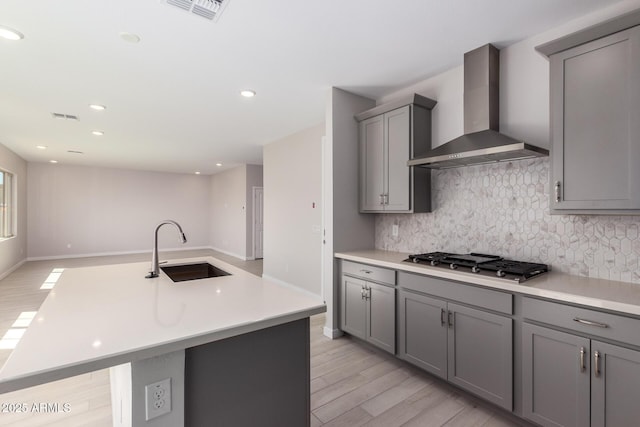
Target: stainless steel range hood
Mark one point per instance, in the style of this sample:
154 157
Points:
481 142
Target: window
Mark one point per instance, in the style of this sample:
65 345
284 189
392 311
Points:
6 204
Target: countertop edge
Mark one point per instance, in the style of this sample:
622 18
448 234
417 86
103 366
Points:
392 260
42 377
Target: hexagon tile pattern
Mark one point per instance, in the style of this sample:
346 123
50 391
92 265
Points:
503 209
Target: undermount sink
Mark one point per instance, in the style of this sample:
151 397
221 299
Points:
184 272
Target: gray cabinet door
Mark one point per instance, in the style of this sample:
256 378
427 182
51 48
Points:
480 357
423 332
353 307
381 316
372 175
555 377
595 105
614 386
397 153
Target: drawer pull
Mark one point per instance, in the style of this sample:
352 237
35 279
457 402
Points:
442 321
366 271
590 322
596 364
582 352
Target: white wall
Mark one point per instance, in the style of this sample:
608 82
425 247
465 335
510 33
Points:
346 228
292 184
13 251
232 210
524 86
78 211
229 212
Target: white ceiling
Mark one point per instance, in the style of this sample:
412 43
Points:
173 100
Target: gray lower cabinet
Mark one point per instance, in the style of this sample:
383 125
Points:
577 379
555 377
614 386
368 310
469 347
423 332
595 131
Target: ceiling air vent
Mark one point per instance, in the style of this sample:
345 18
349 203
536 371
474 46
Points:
210 9
64 116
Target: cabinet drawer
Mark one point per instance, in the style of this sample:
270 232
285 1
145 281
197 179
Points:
590 322
486 298
369 272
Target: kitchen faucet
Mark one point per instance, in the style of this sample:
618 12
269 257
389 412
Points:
155 265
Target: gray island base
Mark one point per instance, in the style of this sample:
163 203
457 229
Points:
258 379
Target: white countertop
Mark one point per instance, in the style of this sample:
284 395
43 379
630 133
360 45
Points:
597 293
97 317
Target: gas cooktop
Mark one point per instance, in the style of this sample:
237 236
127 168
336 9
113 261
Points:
517 271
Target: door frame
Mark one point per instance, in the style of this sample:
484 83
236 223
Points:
255 191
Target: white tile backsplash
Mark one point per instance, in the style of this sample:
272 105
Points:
503 209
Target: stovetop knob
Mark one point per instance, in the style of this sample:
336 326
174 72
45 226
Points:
500 273
415 260
453 266
475 269
434 262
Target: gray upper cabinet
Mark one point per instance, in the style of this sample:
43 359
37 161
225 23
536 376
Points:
389 136
595 131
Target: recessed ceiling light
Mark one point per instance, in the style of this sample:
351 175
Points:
197 172
247 93
130 37
41 147
10 34
97 107
218 164
97 132
53 161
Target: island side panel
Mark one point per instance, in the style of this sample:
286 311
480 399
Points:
257 379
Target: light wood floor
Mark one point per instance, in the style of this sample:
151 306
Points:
352 384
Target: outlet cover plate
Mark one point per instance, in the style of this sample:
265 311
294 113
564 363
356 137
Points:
158 398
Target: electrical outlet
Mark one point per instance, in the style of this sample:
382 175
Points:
158 398
394 230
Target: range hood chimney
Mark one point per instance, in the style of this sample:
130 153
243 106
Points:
481 142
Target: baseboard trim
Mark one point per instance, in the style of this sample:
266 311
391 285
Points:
331 333
290 286
98 254
241 257
13 268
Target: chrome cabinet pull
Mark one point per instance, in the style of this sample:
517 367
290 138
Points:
582 366
366 271
386 199
590 322
557 189
596 364
442 321
450 318
362 292
382 199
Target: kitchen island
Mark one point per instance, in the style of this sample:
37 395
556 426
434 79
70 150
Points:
112 316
